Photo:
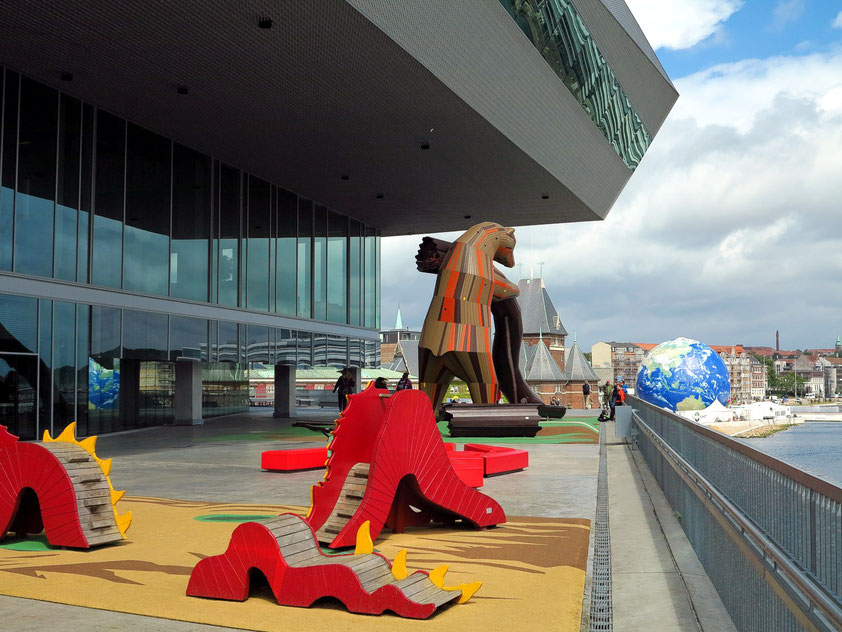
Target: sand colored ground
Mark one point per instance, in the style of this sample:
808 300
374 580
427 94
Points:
532 569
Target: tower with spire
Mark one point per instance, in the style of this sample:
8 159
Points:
541 322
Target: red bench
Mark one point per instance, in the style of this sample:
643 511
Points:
292 460
499 460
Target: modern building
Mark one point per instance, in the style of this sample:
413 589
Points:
190 188
389 339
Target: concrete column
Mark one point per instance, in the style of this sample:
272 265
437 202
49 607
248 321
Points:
356 375
129 389
188 393
284 391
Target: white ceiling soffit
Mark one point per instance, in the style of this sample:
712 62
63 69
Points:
326 93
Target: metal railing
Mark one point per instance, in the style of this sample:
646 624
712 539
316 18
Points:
768 534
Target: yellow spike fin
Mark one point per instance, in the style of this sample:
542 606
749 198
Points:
437 575
68 434
468 591
399 565
364 543
105 465
123 523
116 496
46 438
89 445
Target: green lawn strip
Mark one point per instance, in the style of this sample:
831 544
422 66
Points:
572 437
233 517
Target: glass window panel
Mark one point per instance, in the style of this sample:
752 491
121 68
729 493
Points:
188 338
229 235
286 343
377 282
67 188
8 166
304 265
319 350
108 221
64 364
85 196
18 320
45 361
18 399
285 249
320 262
258 344
355 352
337 281
147 231
337 351
213 341
82 364
225 389
259 223
305 350
355 274
228 342
241 357
369 289
104 383
144 335
35 200
190 224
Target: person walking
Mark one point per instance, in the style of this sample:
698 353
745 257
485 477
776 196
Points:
404 383
586 394
344 386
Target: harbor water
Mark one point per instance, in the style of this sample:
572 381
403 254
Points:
815 447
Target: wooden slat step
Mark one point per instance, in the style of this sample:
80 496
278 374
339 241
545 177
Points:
415 588
96 501
297 547
295 538
331 529
296 558
426 594
445 596
355 494
410 581
101 523
94 540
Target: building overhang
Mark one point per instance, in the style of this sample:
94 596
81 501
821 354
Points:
338 100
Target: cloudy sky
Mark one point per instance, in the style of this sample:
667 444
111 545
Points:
731 227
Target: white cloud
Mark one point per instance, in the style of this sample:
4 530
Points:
729 229
837 23
786 11
680 24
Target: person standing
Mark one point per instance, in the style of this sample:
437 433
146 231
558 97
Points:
404 383
606 394
586 394
615 400
344 386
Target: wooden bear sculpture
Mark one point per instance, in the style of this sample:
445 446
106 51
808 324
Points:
456 337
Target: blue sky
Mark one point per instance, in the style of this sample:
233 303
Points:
759 28
731 227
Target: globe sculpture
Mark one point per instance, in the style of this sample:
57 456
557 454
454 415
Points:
683 374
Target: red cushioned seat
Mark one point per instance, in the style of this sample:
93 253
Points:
499 460
291 460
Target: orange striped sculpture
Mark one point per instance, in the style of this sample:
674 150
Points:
456 336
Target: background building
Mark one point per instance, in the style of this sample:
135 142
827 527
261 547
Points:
191 189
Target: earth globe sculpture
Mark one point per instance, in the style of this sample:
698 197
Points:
683 374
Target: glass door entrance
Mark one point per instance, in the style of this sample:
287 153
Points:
19 394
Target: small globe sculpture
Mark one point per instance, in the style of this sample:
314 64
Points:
683 374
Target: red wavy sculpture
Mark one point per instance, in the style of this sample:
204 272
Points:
37 492
285 550
387 457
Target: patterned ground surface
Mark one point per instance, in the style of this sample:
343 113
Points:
532 569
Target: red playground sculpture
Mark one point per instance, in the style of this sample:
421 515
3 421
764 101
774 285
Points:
388 465
61 487
285 551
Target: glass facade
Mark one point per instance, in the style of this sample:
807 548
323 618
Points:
87 197
558 32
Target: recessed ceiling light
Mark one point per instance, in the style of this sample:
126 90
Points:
379 196
66 76
425 145
467 217
345 177
544 196
183 90
264 23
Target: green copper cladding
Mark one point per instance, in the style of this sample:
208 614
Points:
558 32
